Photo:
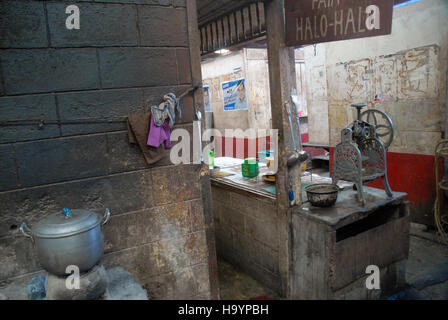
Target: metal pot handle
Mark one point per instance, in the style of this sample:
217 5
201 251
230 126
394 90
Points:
23 226
106 216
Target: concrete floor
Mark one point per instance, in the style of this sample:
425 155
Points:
426 273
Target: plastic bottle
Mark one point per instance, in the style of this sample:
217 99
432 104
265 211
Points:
211 159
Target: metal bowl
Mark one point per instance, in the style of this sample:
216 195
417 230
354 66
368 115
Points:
322 194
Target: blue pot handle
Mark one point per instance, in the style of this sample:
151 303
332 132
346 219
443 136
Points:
66 212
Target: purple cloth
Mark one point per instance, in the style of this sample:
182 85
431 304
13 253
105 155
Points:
158 135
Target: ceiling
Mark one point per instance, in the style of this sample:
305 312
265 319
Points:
209 10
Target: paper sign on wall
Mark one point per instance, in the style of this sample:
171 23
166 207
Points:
235 95
207 99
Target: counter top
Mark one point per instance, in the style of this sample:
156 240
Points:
348 210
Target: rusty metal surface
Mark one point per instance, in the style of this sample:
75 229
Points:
313 21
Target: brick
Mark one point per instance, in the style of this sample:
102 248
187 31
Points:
175 184
8 172
148 2
266 257
61 160
224 241
162 27
28 107
170 256
185 285
266 210
100 25
234 218
195 247
154 96
245 247
123 156
130 230
131 67
108 103
23 25
263 231
34 71
173 221
17 256
197 216
243 204
129 192
160 287
120 193
220 194
183 65
264 277
2 91
179 3
139 261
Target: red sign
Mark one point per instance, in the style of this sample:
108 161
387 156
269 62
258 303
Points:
315 21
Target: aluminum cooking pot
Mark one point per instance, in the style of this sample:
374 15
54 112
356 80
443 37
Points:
70 237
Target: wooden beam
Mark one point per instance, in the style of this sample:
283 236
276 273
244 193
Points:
446 123
202 170
282 79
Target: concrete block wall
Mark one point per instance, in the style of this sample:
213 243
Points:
126 55
247 235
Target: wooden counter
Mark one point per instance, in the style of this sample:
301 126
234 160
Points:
329 248
332 247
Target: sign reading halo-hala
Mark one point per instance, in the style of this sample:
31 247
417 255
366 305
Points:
315 21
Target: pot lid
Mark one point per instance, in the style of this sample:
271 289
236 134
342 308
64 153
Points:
65 223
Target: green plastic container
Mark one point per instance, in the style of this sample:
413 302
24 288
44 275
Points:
250 168
211 159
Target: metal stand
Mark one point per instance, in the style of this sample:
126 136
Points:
361 155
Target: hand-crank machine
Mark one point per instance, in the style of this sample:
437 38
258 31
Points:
361 155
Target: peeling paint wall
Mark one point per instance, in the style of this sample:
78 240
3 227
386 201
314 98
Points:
404 85
403 74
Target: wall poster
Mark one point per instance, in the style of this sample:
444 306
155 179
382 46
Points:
235 95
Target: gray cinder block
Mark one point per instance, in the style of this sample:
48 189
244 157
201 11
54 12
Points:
34 71
100 25
163 26
22 24
25 108
8 172
61 159
133 67
101 104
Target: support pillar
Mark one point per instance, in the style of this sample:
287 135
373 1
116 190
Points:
282 79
